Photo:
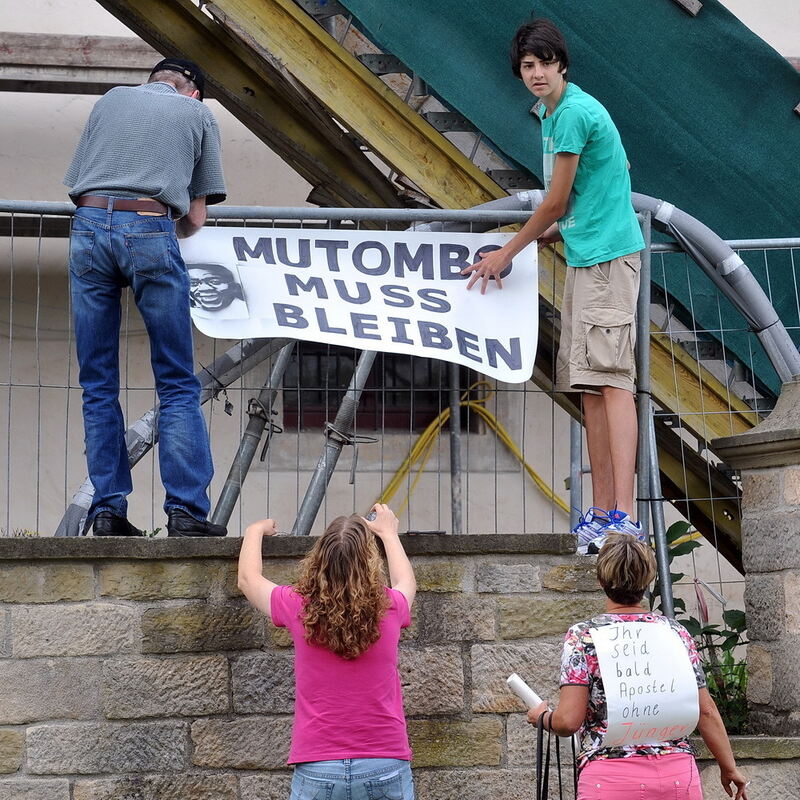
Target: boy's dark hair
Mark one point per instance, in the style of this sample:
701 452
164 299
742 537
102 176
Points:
540 38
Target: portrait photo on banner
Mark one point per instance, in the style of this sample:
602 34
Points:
215 290
391 291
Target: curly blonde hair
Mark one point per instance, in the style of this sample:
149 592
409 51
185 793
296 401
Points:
343 583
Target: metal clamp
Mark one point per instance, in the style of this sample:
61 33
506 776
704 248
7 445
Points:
352 439
273 428
255 408
331 432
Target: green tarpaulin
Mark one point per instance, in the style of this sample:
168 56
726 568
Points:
704 106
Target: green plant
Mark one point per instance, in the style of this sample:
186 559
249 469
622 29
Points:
726 674
679 543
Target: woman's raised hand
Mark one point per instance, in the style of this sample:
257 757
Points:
385 522
265 527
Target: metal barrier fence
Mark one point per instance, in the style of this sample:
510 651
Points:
43 466
710 372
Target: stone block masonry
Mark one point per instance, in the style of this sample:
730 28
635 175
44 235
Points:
768 457
134 670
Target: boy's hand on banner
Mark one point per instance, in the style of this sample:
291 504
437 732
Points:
490 266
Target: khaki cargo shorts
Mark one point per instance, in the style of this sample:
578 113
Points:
598 326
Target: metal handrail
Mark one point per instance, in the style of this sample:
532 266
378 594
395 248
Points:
379 214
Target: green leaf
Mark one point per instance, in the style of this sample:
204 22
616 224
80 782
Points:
691 625
684 548
735 619
729 644
679 603
676 530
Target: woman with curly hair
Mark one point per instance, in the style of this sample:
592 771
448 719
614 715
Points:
349 737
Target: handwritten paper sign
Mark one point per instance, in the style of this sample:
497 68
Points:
394 291
650 685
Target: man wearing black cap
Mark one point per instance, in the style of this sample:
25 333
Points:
147 164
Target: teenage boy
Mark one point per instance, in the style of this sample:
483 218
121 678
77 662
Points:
588 207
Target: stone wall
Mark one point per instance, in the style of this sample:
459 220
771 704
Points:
134 670
771 524
768 458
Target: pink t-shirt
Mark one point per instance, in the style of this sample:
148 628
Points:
345 709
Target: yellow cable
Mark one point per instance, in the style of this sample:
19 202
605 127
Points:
422 448
687 537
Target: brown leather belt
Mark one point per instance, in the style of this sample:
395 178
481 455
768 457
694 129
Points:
122 204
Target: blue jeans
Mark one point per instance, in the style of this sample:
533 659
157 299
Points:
109 250
353 779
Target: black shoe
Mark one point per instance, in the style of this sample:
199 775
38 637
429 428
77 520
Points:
108 524
179 523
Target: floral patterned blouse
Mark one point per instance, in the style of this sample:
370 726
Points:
580 667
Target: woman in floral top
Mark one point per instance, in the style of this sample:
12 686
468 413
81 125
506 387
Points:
656 770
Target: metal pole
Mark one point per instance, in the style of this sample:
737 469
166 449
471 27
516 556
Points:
575 472
643 378
659 526
455 450
336 437
737 244
648 476
507 210
260 412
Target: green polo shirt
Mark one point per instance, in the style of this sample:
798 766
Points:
600 223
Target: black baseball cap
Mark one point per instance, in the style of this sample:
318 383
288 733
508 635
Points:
183 67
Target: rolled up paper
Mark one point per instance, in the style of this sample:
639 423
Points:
523 691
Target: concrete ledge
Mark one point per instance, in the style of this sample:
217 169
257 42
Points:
116 547
768 748
759 449
774 442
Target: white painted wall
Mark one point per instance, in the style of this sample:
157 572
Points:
40 131
777 22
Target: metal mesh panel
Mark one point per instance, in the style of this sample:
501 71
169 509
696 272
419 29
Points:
41 429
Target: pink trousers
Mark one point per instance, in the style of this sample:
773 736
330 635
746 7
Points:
670 777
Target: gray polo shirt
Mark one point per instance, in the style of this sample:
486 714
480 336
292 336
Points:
149 141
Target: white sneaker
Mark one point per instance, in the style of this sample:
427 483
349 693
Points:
619 522
589 527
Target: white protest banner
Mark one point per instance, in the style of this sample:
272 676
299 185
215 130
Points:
394 291
650 685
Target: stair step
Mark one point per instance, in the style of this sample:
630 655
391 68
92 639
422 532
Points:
449 122
383 64
513 179
322 9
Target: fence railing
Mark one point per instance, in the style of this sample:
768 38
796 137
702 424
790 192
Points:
711 376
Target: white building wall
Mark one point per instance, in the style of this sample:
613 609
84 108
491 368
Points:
777 22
